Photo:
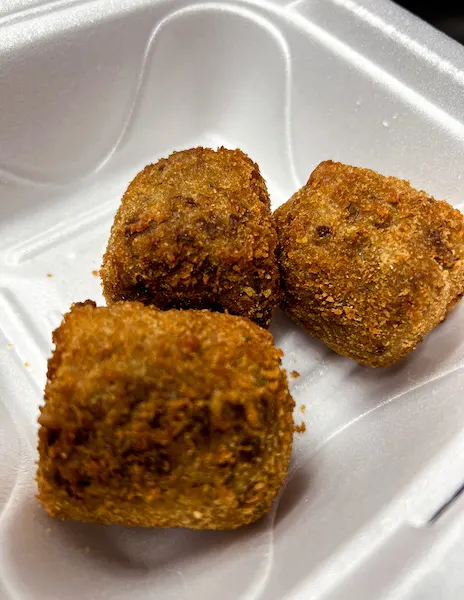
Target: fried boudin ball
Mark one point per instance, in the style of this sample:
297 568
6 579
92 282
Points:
369 264
168 419
195 230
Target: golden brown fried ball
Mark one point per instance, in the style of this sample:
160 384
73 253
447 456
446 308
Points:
369 264
168 419
195 230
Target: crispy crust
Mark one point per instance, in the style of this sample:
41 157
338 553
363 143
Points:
195 231
368 264
170 419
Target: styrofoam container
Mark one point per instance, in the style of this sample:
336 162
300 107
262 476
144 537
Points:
90 92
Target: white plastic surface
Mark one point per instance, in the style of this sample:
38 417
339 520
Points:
92 91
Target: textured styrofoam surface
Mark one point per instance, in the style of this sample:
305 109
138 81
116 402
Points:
92 91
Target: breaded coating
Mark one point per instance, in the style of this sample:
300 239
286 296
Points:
166 419
369 264
195 230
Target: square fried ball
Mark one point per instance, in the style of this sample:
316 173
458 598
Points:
167 419
369 264
195 230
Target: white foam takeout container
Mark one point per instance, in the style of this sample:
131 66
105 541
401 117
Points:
90 92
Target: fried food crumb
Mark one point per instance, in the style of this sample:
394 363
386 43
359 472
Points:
300 428
26 364
303 408
295 374
95 272
49 275
10 345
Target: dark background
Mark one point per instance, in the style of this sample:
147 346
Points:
442 14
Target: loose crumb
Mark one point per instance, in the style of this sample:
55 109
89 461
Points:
303 408
295 374
10 345
49 275
26 364
95 273
300 428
